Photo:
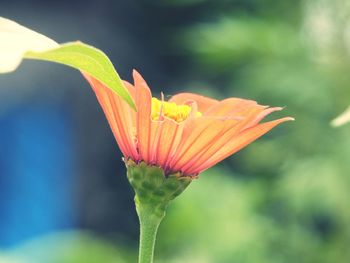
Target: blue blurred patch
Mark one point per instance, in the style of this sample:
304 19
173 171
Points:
36 173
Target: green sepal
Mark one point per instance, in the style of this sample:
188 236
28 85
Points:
152 187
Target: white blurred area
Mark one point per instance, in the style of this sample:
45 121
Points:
326 29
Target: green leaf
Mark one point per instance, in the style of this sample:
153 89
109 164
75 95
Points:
89 60
18 42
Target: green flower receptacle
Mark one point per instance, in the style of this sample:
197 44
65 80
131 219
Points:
152 187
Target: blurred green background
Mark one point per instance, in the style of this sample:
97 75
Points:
285 198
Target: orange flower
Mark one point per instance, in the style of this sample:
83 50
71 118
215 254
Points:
188 134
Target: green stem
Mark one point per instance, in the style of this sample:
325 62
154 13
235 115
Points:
149 223
153 193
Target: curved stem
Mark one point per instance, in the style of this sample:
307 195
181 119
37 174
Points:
149 223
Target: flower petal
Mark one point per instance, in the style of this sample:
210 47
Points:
203 102
212 147
261 116
168 141
120 116
229 132
156 130
143 124
197 134
196 142
238 142
232 107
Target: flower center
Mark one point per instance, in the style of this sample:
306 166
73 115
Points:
171 110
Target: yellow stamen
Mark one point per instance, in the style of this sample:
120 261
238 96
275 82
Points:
171 110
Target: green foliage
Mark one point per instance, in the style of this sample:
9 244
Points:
302 217
234 40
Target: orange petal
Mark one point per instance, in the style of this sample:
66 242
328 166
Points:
203 102
212 147
238 142
143 99
218 125
168 141
156 130
249 116
229 132
197 134
130 88
262 115
232 107
120 116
